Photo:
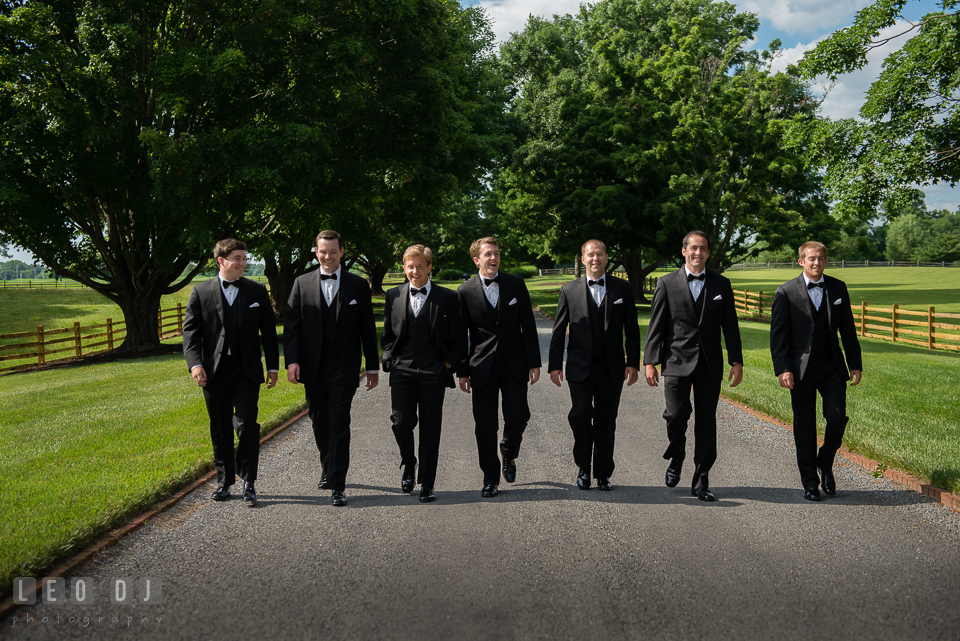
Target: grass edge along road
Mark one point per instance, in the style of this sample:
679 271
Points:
85 448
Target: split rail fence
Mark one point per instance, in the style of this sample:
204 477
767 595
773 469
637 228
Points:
44 345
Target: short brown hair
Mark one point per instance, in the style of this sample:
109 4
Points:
583 247
329 234
695 232
227 246
418 250
475 246
812 244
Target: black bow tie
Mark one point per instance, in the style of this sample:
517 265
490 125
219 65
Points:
327 276
230 283
693 277
488 281
414 291
812 285
595 282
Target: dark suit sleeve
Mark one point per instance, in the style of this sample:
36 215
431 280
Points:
368 330
528 326
268 331
848 334
780 332
463 367
731 327
631 330
457 348
656 330
193 331
292 324
559 334
387 337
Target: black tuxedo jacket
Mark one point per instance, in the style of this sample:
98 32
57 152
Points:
355 329
204 332
676 333
509 329
447 331
791 328
619 325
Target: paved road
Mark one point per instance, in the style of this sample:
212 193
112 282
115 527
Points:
543 560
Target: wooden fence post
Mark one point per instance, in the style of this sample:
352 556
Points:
761 304
863 318
110 333
893 323
41 358
76 339
160 323
930 312
746 301
180 318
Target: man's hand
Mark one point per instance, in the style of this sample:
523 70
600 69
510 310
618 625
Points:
373 378
534 375
465 384
786 380
199 375
651 374
736 374
630 375
557 377
293 373
855 376
272 379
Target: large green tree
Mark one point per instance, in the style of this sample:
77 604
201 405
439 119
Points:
643 119
908 133
135 134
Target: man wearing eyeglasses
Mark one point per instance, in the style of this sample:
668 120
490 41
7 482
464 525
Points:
228 319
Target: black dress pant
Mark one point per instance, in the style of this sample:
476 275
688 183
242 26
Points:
516 414
416 395
803 397
329 399
593 419
231 397
706 395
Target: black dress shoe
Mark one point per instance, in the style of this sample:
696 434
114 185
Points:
324 483
811 494
510 470
406 481
339 498
583 480
221 493
426 494
489 491
829 483
249 495
673 474
704 494
604 484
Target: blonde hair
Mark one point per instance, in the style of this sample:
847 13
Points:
812 244
418 250
583 248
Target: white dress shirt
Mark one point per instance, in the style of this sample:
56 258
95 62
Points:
416 302
492 291
815 293
230 293
598 291
330 286
696 286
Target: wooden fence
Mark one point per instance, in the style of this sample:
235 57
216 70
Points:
930 329
51 283
45 345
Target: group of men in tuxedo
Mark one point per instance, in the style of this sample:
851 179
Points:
485 334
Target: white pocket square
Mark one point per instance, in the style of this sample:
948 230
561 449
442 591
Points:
353 302
513 302
718 297
255 305
837 302
618 301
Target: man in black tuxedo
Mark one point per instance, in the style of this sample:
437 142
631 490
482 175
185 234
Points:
808 313
423 340
602 316
227 320
328 320
690 306
504 353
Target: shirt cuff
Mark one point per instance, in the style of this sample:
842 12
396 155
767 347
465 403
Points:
373 371
273 371
195 367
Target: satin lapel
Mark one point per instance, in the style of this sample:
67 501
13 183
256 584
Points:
400 308
609 307
825 300
801 298
584 294
504 296
434 307
340 291
240 302
705 291
218 298
681 282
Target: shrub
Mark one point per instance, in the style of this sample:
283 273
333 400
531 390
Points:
450 274
524 271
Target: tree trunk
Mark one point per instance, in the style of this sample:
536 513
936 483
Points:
140 316
637 273
281 271
577 267
376 270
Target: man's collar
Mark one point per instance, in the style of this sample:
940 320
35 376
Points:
687 270
807 278
427 286
323 271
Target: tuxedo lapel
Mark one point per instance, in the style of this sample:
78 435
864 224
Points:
705 293
686 296
584 293
505 295
608 310
802 298
218 298
825 300
431 305
400 310
341 292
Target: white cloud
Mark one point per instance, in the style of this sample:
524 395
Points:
510 16
804 16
